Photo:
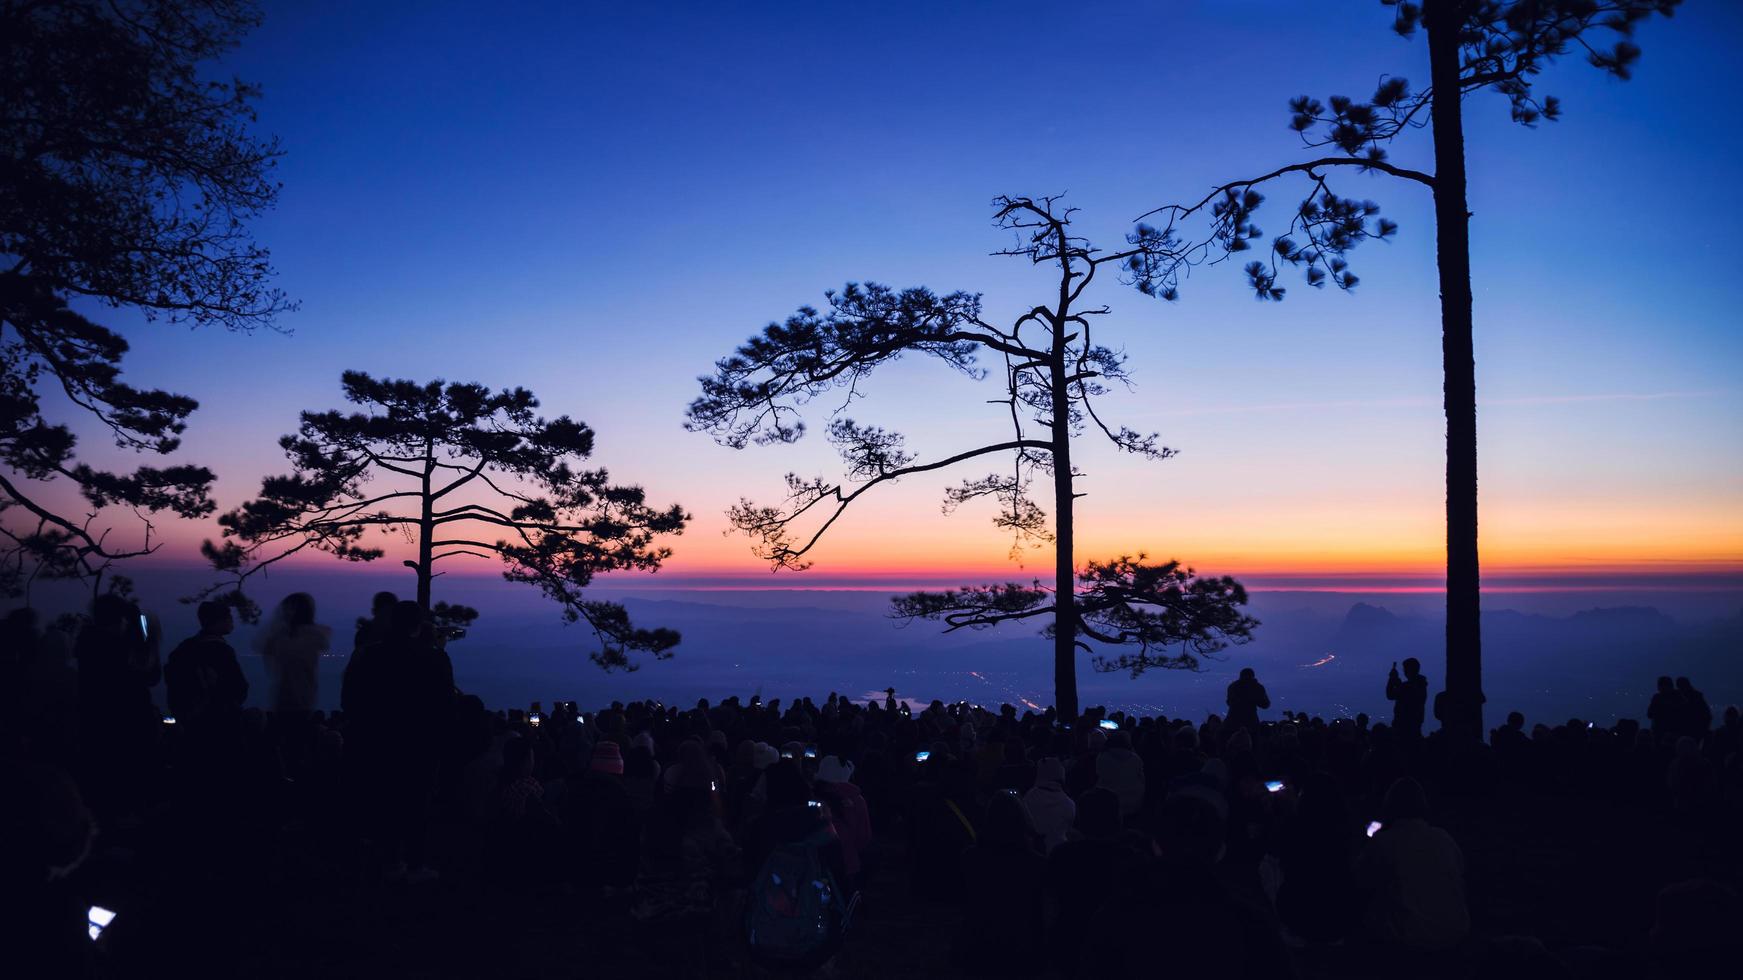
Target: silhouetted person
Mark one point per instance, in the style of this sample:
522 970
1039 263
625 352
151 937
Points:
206 686
1179 913
395 691
46 833
1317 849
1667 711
1409 697
1414 875
380 622
118 723
1084 874
606 829
1001 933
792 819
39 686
1694 931
1697 714
1246 696
684 852
1511 735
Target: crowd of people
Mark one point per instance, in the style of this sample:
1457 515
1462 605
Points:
751 834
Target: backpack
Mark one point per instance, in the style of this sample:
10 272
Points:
797 912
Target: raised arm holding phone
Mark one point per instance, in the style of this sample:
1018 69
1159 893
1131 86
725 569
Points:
1410 695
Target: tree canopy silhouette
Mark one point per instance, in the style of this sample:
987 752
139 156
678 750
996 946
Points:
1052 373
127 178
468 472
1473 45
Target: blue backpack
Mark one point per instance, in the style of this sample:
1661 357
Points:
797 913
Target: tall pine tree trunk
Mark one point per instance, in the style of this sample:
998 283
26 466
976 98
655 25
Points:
1462 708
426 531
1064 496
1064 571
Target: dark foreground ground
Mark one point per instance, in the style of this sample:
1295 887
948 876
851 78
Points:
1576 870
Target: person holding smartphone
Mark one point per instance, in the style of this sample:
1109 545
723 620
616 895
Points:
1246 697
118 723
1410 695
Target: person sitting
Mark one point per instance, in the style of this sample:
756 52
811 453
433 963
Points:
1052 811
523 830
1002 873
1121 770
848 814
1177 911
1316 850
1414 875
1694 930
794 833
603 824
1083 874
684 853
1510 737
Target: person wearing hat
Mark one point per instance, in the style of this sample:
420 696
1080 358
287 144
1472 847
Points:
847 811
605 831
1049 807
607 758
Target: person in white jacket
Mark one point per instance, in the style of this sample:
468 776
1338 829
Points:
1052 811
1414 874
1121 770
292 646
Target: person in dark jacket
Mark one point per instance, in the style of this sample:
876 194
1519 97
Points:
206 691
1668 712
206 686
1410 695
1317 848
1246 696
395 691
1084 874
379 625
1178 912
1002 887
118 724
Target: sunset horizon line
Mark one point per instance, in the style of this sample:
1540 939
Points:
1571 576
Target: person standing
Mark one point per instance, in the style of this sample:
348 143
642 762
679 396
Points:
1697 714
1410 697
379 625
395 691
118 666
1667 711
206 686
1246 696
291 647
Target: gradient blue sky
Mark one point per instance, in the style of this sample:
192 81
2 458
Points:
595 201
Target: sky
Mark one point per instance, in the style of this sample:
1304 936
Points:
596 201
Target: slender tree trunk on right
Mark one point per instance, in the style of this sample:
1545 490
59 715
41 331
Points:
1462 710
426 533
1064 570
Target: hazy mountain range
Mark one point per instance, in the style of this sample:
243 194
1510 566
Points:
1326 652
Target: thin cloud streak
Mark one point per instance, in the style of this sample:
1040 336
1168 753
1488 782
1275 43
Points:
1434 403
